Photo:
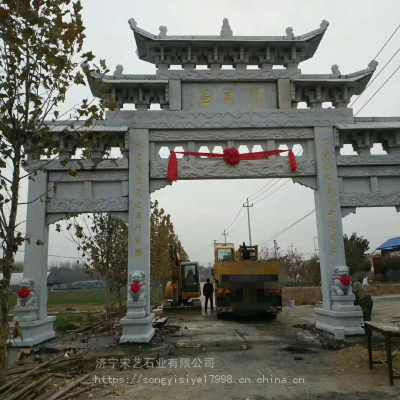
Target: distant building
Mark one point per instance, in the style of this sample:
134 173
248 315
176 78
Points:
390 248
16 278
70 280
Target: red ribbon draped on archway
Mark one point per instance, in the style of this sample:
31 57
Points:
231 156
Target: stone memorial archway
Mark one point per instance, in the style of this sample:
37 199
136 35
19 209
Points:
217 107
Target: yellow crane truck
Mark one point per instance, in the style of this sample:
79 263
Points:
246 286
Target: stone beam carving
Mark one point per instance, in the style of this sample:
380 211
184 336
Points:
238 119
366 199
234 134
87 164
123 216
79 205
228 75
388 159
52 218
245 169
307 181
376 170
157 184
95 176
347 211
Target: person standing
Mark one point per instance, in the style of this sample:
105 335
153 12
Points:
208 293
363 299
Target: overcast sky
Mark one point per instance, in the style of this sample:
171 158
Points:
201 210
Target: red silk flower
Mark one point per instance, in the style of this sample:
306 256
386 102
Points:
135 287
345 280
231 156
24 292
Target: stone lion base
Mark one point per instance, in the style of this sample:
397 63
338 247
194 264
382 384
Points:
343 316
35 332
138 330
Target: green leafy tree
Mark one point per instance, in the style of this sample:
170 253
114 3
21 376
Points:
355 248
40 60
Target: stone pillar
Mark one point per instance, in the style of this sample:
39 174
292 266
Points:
330 236
138 323
35 324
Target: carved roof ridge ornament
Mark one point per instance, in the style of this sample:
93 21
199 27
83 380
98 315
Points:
163 32
335 71
165 50
336 74
289 33
226 30
323 26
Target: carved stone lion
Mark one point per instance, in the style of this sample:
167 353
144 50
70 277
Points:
137 288
26 293
341 281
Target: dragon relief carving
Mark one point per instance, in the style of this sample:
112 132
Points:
79 205
374 170
220 169
369 199
94 176
87 164
235 134
238 119
217 75
388 159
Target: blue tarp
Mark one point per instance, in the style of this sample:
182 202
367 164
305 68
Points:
390 243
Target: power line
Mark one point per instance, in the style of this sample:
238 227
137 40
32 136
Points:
56 255
287 228
379 52
244 216
241 209
384 83
273 191
270 181
370 83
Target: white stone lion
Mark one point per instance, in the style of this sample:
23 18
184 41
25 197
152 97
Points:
341 281
137 287
26 293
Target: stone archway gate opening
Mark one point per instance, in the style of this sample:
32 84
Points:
216 107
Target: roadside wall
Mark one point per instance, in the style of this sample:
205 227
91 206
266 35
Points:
306 295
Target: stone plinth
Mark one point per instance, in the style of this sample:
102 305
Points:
25 314
135 310
343 315
139 330
35 332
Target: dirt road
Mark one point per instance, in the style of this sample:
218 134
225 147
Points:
251 359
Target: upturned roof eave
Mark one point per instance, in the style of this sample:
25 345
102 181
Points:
311 39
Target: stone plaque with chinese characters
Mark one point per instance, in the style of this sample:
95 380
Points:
212 97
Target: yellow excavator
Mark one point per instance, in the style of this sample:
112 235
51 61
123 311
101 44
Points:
246 286
183 288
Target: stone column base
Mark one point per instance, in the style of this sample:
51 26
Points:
135 310
349 321
25 314
35 332
138 330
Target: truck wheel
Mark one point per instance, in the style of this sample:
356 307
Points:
272 316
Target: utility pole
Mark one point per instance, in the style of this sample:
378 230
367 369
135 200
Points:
248 217
315 247
215 243
225 234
